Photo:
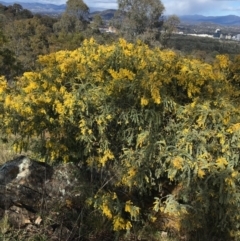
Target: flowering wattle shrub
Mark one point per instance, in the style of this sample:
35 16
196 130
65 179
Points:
162 130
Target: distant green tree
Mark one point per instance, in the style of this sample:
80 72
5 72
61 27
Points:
168 28
63 40
74 19
46 20
139 18
15 11
97 22
68 24
9 66
27 38
79 9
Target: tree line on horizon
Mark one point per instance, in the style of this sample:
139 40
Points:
24 35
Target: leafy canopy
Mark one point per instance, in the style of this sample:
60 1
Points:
135 18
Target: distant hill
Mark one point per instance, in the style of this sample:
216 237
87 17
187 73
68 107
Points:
44 7
39 7
107 14
229 20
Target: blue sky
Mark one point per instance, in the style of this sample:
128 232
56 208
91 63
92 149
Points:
179 7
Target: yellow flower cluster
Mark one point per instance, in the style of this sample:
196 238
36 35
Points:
122 74
178 162
222 61
105 209
221 162
107 155
132 210
144 101
234 128
3 85
120 224
105 203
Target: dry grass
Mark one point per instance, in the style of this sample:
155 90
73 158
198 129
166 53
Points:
6 152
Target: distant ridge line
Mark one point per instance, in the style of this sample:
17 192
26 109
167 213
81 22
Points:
107 14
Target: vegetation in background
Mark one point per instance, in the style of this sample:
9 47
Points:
203 48
144 20
136 19
24 36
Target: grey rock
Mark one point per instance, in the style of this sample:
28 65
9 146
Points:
31 190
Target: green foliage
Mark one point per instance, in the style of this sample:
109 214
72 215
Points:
27 39
208 47
78 8
15 11
97 22
169 26
234 72
159 133
139 19
74 19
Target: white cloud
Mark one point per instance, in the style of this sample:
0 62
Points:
193 7
231 9
57 2
179 7
108 4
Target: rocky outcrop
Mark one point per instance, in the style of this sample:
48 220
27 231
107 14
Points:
35 195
